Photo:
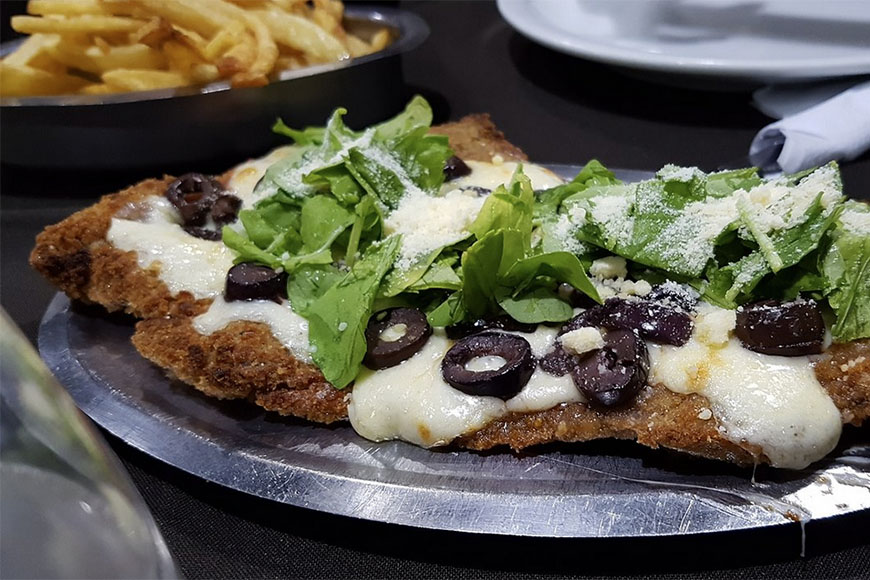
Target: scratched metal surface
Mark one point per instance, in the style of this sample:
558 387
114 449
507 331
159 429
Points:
596 490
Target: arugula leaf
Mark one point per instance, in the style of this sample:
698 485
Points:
725 183
309 283
561 266
734 283
423 156
367 220
440 276
483 263
337 319
508 208
307 136
323 220
846 268
548 201
417 113
248 251
498 265
337 180
785 247
449 312
374 173
258 230
399 280
538 305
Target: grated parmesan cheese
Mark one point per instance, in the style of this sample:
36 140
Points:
582 340
713 325
612 213
677 173
609 267
856 222
427 223
563 232
776 205
696 228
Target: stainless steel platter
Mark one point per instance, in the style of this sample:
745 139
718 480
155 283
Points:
597 490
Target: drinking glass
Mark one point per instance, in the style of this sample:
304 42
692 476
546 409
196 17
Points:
67 507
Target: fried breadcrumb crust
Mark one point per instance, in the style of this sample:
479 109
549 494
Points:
662 418
75 256
476 137
245 361
241 361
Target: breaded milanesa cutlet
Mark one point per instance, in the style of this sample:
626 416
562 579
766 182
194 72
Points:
244 359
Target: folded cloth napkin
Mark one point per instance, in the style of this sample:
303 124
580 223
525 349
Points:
837 128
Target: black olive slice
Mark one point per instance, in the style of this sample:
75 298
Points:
613 375
382 353
249 281
651 320
673 295
559 362
505 322
193 194
574 297
503 382
204 233
225 209
455 167
786 329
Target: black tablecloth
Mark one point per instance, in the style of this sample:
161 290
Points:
558 109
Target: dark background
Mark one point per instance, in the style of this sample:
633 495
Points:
558 109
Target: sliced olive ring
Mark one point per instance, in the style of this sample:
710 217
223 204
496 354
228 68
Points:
225 209
613 375
250 281
785 329
454 168
203 233
558 361
574 297
464 329
503 382
194 194
651 320
382 353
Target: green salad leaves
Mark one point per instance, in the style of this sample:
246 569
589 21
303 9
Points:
327 215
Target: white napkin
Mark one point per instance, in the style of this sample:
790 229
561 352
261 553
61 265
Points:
818 125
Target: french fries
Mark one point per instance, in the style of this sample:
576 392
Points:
109 46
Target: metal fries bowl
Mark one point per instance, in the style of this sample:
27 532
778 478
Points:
180 126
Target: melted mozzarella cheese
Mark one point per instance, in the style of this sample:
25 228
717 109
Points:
411 401
289 328
770 401
183 262
245 176
544 391
491 175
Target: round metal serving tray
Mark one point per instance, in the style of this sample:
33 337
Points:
593 490
173 127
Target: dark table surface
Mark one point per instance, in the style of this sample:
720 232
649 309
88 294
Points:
559 109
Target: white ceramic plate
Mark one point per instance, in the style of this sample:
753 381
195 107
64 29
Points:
766 41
